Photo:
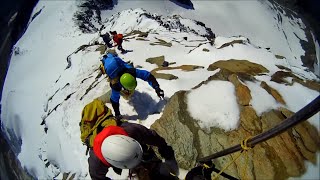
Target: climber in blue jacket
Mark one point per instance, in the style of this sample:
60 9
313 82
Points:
122 78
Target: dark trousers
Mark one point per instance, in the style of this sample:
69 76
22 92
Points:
108 44
120 46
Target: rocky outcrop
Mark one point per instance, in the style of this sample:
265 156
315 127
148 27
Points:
14 22
239 66
159 61
102 49
156 60
280 77
10 167
89 14
171 76
176 23
182 129
164 76
274 93
278 158
307 11
161 42
242 91
238 41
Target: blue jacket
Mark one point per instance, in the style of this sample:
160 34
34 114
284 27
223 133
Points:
115 67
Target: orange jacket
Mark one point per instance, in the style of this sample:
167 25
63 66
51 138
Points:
118 38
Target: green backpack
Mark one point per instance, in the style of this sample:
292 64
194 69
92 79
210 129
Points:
95 116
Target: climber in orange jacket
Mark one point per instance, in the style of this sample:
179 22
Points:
118 39
126 147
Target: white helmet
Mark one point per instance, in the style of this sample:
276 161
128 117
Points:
121 151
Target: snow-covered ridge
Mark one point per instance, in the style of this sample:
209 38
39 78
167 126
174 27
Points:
139 19
82 82
59 148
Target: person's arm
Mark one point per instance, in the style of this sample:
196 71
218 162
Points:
147 136
147 76
115 97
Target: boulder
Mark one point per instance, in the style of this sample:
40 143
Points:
164 76
176 122
156 60
102 49
240 66
280 157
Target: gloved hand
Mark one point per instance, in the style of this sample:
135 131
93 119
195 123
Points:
160 93
166 152
172 167
169 169
118 117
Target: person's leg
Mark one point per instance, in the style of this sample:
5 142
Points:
158 170
97 169
120 46
109 44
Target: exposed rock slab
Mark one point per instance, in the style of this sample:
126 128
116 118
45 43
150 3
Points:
177 123
159 60
164 76
238 41
278 158
161 42
242 66
242 91
156 60
273 92
280 77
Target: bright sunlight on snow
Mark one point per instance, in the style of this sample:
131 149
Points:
51 80
214 105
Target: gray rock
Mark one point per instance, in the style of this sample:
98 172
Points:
278 158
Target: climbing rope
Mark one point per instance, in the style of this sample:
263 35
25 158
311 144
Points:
204 171
245 149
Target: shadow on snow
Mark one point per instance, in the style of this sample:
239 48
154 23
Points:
144 105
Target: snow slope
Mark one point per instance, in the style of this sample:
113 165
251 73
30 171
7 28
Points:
265 24
39 89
